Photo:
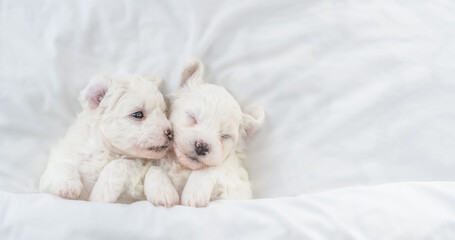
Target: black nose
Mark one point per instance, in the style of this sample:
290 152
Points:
169 134
201 148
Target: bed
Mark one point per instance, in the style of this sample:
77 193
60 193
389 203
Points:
359 138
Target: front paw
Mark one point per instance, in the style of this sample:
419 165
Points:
69 189
194 197
162 195
103 193
98 196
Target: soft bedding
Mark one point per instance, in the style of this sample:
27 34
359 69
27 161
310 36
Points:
357 93
390 211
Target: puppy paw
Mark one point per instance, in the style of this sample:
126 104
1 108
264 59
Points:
105 191
97 196
69 189
193 197
162 195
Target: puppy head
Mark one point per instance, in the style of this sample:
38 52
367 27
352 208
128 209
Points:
130 113
207 121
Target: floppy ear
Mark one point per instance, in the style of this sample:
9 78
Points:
193 73
252 121
157 80
93 94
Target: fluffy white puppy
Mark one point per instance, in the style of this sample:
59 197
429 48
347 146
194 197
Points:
123 121
209 132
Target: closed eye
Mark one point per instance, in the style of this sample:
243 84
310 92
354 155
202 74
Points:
192 118
226 136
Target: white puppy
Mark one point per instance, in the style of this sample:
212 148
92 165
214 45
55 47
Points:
210 129
122 119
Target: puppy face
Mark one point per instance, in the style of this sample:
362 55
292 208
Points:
131 115
207 121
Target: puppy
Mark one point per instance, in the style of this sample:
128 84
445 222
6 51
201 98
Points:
122 124
210 130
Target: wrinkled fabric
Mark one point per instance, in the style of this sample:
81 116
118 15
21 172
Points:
411 210
357 93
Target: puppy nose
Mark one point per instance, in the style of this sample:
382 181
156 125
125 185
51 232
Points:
169 134
201 148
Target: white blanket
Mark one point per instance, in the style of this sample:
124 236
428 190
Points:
392 211
357 93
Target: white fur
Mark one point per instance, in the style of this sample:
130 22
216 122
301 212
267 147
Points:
159 189
207 113
106 145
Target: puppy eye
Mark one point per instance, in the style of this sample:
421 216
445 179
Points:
138 115
192 119
226 136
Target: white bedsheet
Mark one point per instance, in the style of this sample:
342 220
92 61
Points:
357 94
382 212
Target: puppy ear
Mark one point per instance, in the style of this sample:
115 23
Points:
157 80
94 93
193 73
252 121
